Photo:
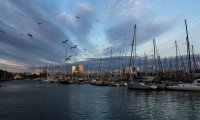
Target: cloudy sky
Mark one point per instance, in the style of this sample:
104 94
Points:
32 31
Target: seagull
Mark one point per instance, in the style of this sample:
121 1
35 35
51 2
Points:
97 20
74 46
39 23
77 17
2 31
68 58
85 49
29 35
65 41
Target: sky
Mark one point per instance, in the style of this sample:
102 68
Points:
32 31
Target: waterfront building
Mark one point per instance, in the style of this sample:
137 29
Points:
74 69
77 69
80 68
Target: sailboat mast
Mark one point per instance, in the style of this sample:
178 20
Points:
111 61
120 60
47 70
165 65
132 44
176 70
194 61
135 46
120 57
188 50
100 67
145 64
154 56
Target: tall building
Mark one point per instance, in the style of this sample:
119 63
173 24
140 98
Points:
80 69
74 69
77 69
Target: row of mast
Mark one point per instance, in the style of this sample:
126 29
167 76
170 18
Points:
157 68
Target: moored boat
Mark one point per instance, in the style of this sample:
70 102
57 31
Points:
141 86
63 82
195 86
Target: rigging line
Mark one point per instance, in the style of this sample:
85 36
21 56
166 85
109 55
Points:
181 58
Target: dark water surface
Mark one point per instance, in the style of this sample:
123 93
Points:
32 100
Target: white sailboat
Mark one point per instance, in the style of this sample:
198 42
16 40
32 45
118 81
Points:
143 85
195 86
138 85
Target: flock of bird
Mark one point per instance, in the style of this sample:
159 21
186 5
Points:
64 42
75 46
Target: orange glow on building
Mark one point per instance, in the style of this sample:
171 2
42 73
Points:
74 69
80 68
77 69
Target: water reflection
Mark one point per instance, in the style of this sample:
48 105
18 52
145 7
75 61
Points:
33 100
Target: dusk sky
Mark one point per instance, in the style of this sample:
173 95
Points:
96 26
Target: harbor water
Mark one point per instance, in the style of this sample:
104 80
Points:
34 100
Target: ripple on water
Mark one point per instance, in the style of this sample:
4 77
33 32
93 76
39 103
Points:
33 100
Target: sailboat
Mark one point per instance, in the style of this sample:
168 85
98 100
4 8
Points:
139 84
49 78
195 86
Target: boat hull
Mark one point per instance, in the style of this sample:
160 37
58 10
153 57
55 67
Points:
63 82
141 86
184 88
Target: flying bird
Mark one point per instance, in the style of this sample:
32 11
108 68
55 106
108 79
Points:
68 58
74 46
97 20
65 41
85 49
30 35
39 23
77 17
2 31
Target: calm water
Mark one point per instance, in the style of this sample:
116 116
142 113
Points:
32 100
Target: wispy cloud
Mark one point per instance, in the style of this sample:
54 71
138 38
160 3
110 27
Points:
142 14
93 25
